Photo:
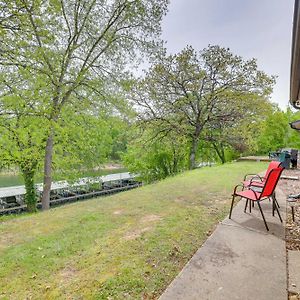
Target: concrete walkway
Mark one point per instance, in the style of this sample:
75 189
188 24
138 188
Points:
240 260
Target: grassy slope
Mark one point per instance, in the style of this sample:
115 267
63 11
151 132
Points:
126 246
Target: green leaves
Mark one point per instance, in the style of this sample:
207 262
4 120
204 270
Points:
61 62
201 95
276 133
155 160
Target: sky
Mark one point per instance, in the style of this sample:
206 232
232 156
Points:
260 29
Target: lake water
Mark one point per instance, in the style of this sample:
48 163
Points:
10 179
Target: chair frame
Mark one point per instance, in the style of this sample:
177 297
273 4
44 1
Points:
260 184
276 164
259 196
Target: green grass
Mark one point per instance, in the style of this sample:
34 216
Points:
127 246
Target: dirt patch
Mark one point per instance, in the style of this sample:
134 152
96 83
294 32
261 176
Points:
67 274
294 296
292 232
223 201
136 233
118 212
180 199
292 227
150 218
6 240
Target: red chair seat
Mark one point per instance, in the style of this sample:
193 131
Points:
249 194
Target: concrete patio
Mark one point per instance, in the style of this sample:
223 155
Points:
240 260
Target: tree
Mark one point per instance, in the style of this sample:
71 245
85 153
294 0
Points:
155 160
274 132
119 135
83 141
293 137
82 137
69 44
9 16
239 133
22 142
188 92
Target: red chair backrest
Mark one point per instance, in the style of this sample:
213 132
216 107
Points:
271 182
272 165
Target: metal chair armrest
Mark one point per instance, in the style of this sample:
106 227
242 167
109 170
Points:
245 177
256 177
235 188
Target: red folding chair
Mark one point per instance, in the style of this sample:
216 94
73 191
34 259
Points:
267 192
257 180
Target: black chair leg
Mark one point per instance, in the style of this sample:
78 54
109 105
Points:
277 202
231 206
276 207
246 206
250 204
262 214
274 198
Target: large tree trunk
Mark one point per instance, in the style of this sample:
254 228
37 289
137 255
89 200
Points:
30 195
193 151
47 171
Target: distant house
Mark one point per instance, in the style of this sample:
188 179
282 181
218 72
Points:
295 62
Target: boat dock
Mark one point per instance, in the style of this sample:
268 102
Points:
12 198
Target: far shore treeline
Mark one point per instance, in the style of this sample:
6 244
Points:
70 99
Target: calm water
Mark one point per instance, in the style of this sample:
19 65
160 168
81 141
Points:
15 179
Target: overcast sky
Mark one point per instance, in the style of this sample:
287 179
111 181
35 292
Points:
250 28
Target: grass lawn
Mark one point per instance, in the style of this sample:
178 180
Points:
126 246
